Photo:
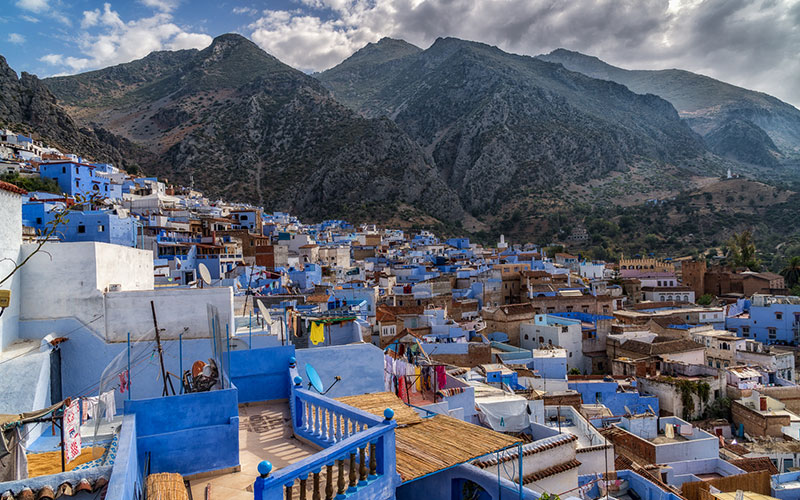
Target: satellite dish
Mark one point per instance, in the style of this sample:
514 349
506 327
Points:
204 274
313 378
627 410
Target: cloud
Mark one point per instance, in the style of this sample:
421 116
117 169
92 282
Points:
16 38
162 5
752 43
28 18
33 5
245 10
109 40
45 8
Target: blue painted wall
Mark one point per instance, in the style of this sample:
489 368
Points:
763 318
789 493
613 400
79 377
190 433
447 485
126 477
359 365
261 374
76 178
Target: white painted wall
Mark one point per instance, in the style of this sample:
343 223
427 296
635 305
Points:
10 242
73 279
567 336
179 310
68 279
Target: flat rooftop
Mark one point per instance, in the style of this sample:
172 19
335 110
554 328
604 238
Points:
265 433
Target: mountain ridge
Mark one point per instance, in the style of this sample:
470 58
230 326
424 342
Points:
246 126
707 105
487 117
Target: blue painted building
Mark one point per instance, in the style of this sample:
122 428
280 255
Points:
103 226
609 393
771 319
81 179
307 277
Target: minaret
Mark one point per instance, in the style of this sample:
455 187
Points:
502 245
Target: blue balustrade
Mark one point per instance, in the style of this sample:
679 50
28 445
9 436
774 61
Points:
357 460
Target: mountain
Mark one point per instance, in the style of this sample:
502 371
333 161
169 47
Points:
239 123
501 126
729 117
27 106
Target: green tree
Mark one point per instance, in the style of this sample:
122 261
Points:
742 251
791 273
705 299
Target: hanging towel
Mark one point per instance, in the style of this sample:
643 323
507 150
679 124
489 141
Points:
668 431
123 382
418 378
317 333
109 403
441 377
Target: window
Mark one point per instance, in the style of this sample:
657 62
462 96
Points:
659 283
662 298
772 333
569 309
63 170
551 310
77 171
106 186
585 309
788 463
710 363
38 220
81 228
243 217
570 355
526 336
77 183
779 316
541 340
101 228
598 397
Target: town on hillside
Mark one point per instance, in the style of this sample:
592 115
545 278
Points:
155 343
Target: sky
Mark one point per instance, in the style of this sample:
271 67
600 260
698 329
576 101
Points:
751 43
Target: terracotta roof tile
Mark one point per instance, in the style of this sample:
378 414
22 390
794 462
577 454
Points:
7 186
550 471
529 449
755 464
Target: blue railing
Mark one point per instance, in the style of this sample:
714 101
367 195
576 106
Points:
358 451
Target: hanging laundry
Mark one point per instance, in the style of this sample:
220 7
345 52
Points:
441 377
123 382
668 431
418 378
110 405
317 333
90 407
401 388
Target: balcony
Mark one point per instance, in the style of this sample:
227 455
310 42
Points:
357 458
